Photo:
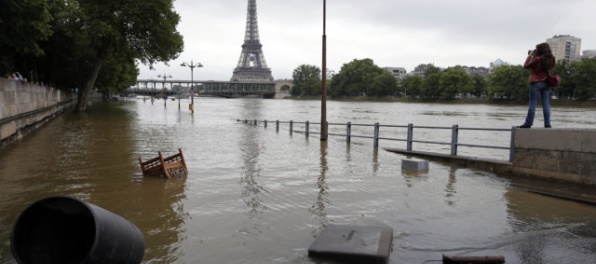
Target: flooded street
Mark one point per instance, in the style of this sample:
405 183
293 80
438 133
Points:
257 195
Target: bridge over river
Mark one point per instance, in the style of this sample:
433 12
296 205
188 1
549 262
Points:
207 88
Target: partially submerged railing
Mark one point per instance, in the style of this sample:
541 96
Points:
454 143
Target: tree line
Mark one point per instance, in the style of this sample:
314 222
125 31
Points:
86 44
503 83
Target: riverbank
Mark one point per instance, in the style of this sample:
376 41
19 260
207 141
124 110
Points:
554 102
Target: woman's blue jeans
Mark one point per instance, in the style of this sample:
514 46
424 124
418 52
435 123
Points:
539 89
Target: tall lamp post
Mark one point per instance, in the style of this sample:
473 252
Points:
324 77
164 76
192 66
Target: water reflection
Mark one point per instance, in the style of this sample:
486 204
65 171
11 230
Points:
375 160
255 196
450 189
538 225
252 191
319 210
159 212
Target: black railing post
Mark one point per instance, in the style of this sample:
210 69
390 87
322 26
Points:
410 136
291 126
276 125
255 122
512 145
265 121
306 128
454 135
348 131
376 134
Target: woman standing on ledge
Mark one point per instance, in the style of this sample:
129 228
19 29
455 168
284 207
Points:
540 61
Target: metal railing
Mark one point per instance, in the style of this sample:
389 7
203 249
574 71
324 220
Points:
409 139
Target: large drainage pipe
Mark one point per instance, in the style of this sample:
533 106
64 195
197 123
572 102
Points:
66 230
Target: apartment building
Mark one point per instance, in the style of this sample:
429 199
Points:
565 47
397 72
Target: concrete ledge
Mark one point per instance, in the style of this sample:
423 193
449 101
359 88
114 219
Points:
491 165
561 185
560 154
575 140
353 244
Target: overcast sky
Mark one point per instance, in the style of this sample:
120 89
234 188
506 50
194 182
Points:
392 33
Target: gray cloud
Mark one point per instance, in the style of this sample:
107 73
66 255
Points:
392 33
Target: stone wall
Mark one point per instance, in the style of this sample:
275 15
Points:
561 154
26 106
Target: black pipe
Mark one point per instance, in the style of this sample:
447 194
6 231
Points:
67 230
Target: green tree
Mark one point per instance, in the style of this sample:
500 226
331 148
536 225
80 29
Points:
307 80
117 74
564 68
430 88
23 24
583 74
141 30
453 81
384 84
356 78
411 85
480 84
508 81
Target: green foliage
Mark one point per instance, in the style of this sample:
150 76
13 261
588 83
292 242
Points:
564 69
509 82
582 76
23 24
307 80
79 37
412 85
362 78
430 88
479 84
455 81
384 84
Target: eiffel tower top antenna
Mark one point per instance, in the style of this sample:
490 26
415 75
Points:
252 66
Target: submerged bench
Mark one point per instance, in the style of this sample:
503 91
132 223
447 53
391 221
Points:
169 167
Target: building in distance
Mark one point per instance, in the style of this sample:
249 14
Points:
565 47
589 54
397 72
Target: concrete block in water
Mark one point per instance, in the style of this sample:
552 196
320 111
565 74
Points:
418 165
353 244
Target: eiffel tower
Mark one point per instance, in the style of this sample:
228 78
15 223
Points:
251 65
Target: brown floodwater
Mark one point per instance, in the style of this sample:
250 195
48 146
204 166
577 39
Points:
257 195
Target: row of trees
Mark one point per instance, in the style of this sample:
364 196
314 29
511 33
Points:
507 82
86 44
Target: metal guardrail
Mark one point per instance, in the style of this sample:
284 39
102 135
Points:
454 143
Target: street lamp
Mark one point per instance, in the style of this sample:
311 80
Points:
164 76
192 66
324 81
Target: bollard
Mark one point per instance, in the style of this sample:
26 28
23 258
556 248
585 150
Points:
410 139
65 229
291 127
348 131
454 137
306 128
376 135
